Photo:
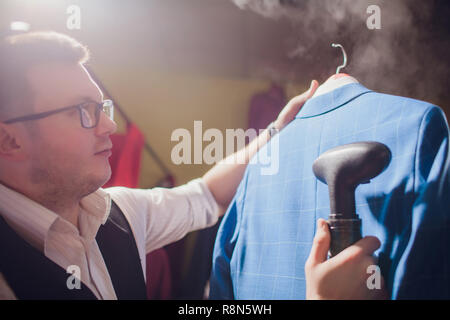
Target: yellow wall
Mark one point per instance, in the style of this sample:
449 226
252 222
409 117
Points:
162 102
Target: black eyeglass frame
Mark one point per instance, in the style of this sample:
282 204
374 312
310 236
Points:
100 107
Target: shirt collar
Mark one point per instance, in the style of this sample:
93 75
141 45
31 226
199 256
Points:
98 204
332 100
33 221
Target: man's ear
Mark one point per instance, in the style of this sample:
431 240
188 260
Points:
10 145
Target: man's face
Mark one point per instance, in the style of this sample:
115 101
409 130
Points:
64 156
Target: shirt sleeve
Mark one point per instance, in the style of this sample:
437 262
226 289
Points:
162 216
424 268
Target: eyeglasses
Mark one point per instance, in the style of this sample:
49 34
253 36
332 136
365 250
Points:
89 113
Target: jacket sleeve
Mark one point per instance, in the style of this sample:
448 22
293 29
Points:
424 271
221 284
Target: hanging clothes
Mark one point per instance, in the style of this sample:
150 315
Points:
125 160
265 107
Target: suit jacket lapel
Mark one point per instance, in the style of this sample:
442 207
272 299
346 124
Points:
332 100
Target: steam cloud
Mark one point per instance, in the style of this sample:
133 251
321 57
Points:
405 57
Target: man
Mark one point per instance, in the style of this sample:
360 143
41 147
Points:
54 149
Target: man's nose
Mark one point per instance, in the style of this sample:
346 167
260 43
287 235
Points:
105 126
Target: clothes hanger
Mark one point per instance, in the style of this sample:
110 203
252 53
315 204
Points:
337 45
338 79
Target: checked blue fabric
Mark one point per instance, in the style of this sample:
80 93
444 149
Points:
266 235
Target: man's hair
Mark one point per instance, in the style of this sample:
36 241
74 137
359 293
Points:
18 53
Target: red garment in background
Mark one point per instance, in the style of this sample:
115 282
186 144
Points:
125 165
265 107
126 158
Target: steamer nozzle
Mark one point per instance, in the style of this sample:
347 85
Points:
343 168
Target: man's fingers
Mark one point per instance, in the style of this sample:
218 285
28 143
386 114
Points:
294 105
321 244
364 247
368 244
298 101
312 89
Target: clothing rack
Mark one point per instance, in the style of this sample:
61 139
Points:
168 180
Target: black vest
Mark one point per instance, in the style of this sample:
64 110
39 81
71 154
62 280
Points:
31 275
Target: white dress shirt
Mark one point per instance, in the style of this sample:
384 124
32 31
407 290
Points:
157 217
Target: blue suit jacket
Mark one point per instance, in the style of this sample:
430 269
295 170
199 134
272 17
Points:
266 235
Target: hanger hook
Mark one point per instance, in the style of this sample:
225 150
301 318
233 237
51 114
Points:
336 45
